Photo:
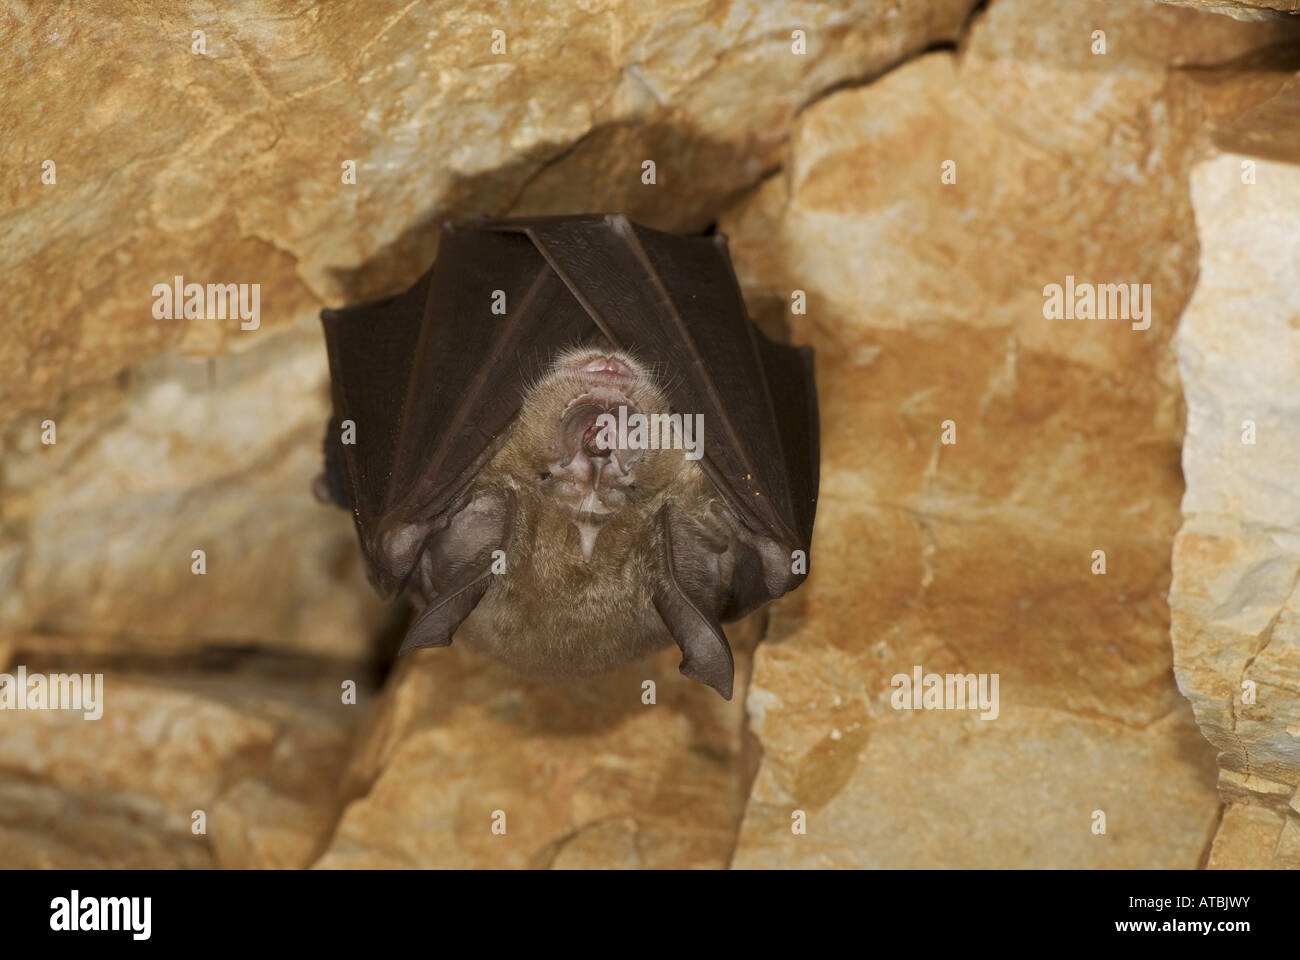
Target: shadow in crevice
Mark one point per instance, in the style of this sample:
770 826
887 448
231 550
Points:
575 180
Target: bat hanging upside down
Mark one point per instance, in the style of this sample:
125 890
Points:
571 443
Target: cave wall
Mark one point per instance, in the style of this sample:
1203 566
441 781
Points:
213 146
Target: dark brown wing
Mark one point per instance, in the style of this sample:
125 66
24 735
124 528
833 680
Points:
433 380
674 301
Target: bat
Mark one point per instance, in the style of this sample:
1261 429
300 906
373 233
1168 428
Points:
569 441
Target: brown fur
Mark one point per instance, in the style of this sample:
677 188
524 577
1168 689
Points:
555 613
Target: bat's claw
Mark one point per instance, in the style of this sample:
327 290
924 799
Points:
320 489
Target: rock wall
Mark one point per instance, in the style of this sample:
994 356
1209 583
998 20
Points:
1236 627
1243 9
212 144
220 147
244 182
925 308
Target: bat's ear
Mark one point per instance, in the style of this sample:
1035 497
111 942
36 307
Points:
456 564
688 596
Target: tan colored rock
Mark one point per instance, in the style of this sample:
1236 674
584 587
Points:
254 825
1236 618
1255 838
49 827
1251 104
259 756
166 748
925 304
938 791
242 184
1248 10
585 773
1270 128
187 455
220 158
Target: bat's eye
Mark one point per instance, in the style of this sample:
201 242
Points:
544 475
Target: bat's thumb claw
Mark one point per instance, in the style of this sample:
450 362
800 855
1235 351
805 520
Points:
320 489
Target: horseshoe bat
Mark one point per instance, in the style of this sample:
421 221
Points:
568 441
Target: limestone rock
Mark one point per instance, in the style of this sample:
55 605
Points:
1249 10
1251 104
925 305
211 144
1236 619
584 773
1253 837
255 825
260 759
159 456
941 791
214 145
221 158
101 527
50 827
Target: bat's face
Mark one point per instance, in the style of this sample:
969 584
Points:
586 439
